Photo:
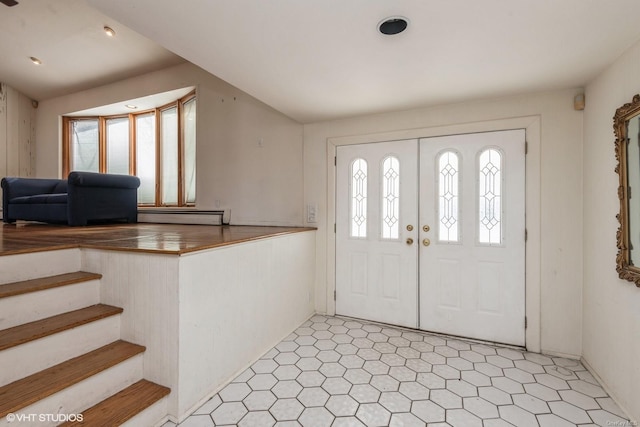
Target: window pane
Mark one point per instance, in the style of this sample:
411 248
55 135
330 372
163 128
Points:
146 158
189 134
448 181
118 145
84 146
490 191
359 198
390 198
169 155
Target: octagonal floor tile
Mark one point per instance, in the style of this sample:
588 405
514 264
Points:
373 415
428 411
257 418
286 409
462 418
340 372
342 405
316 417
394 401
229 413
259 400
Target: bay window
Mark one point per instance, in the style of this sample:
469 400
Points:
158 146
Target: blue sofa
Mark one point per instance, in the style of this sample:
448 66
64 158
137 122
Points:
82 198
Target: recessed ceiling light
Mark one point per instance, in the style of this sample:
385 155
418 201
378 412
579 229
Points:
392 25
35 60
109 31
131 107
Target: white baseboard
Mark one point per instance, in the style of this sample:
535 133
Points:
182 216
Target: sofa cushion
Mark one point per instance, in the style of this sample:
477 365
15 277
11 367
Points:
41 199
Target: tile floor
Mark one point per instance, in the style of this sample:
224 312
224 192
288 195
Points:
339 372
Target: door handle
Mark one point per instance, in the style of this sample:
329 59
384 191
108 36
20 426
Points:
426 242
409 241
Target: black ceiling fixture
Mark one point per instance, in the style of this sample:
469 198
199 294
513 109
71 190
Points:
9 2
393 25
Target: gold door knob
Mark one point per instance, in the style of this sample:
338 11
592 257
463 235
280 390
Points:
409 241
426 242
426 228
409 227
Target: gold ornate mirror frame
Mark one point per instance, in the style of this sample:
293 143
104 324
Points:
624 262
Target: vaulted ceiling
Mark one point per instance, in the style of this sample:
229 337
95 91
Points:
76 54
318 60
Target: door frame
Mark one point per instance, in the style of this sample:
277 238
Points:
532 127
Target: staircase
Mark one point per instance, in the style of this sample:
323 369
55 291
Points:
61 356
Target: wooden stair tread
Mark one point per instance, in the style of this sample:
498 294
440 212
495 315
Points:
26 391
122 406
41 328
40 284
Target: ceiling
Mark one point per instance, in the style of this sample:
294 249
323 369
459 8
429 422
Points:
323 59
68 37
134 104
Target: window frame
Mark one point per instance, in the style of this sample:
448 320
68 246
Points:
102 146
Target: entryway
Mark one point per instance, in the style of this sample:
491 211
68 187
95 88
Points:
430 234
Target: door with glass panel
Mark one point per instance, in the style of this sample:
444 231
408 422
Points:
376 256
472 235
468 192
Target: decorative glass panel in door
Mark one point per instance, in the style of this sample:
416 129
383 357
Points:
490 197
390 198
358 195
448 197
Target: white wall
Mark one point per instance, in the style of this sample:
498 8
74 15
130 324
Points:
146 286
17 133
560 187
237 302
205 316
611 321
261 184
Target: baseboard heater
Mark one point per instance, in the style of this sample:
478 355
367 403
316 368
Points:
184 216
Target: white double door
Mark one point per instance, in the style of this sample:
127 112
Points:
430 234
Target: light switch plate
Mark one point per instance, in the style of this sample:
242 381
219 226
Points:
312 210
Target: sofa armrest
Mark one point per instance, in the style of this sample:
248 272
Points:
101 197
91 179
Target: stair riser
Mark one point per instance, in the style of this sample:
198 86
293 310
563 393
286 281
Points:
25 308
151 416
77 398
14 268
34 356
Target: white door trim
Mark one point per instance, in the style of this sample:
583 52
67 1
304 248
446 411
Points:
532 126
